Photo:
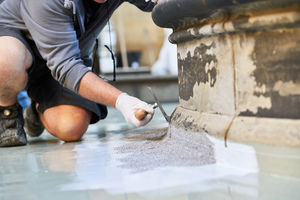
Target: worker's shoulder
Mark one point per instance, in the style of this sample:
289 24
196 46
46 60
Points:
54 5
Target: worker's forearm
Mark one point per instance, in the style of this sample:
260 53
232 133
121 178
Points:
95 89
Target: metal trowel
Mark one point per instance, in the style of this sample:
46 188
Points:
140 114
167 117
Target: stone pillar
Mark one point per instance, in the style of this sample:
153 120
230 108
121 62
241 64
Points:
238 67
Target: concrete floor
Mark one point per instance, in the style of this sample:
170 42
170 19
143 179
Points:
117 161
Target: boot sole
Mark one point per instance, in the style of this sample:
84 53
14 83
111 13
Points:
14 140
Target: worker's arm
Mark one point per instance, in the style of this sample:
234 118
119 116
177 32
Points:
94 88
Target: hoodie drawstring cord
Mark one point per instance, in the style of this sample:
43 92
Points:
69 4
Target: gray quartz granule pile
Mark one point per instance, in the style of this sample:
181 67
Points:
177 148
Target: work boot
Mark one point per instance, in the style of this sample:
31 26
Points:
33 125
11 126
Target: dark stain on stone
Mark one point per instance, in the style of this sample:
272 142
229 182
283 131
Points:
187 125
276 56
289 104
213 75
176 116
241 21
203 129
196 68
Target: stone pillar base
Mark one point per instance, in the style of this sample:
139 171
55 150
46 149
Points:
238 67
280 132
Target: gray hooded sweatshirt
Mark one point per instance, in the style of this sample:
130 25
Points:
57 28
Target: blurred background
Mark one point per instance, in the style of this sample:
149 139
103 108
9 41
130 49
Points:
143 55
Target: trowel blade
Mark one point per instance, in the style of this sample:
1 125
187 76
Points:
167 117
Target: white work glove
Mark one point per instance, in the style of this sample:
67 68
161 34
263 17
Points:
128 105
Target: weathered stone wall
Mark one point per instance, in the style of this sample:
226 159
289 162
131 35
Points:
238 67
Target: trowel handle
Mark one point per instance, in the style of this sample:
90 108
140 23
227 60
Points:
140 114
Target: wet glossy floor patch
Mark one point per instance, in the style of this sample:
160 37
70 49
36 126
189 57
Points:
158 161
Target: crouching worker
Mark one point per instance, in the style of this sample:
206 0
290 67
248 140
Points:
45 47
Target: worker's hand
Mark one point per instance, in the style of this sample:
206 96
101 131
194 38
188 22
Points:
128 105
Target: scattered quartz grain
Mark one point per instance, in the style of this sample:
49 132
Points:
177 148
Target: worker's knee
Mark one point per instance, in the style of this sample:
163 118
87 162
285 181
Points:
66 122
69 132
14 56
15 59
